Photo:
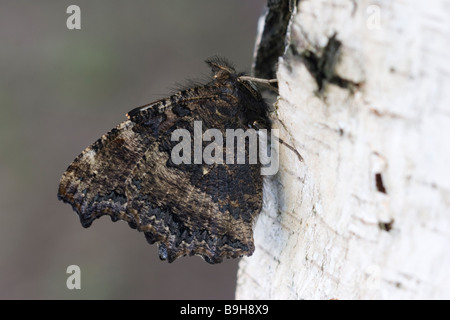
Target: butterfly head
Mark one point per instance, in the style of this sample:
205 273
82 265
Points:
222 69
254 113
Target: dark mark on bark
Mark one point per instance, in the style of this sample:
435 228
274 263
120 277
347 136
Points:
273 37
386 226
322 65
379 183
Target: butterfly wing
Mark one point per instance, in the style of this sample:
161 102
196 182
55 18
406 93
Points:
187 209
94 183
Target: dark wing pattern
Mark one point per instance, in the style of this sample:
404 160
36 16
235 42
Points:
187 209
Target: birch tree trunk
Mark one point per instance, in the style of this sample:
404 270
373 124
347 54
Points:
364 97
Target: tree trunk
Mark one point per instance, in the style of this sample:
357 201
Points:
364 97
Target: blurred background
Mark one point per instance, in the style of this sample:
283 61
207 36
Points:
60 90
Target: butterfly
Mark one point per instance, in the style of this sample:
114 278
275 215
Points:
185 208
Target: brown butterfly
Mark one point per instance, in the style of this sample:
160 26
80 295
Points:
187 209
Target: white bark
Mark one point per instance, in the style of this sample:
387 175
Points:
322 232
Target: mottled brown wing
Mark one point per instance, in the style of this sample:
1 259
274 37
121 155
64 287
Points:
187 209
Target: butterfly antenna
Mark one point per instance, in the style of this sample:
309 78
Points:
269 83
300 158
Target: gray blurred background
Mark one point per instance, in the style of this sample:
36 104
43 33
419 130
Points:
62 89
